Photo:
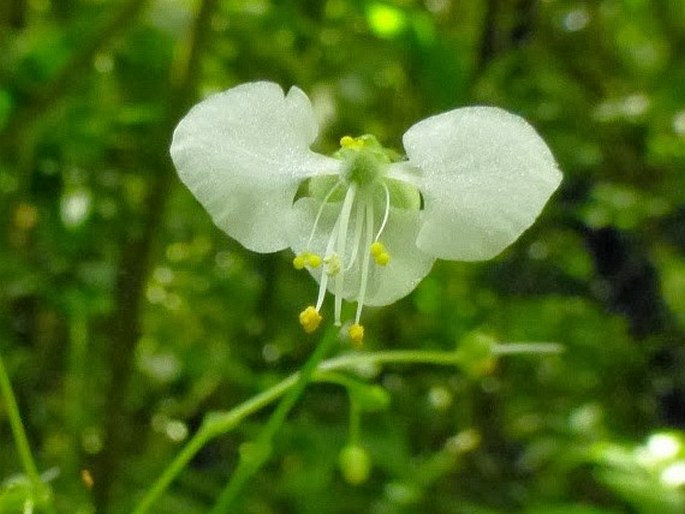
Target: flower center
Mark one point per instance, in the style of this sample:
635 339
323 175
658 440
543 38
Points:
365 160
354 239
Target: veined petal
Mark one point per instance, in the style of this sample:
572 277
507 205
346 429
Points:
243 153
485 177
386 284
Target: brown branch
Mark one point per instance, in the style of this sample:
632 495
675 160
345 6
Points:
135 262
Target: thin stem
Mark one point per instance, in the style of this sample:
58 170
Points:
261 449
217 424
354 360
355 423
193 446
21 441
214 425
515 348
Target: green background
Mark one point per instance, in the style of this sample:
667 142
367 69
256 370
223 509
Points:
126 315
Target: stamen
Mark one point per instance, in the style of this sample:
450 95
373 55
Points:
322 291
356 333
324 276
365 263
310 319
333 264
313 260
382 259
306 259
299 262
340 256
344 220
386 213
379 253
320 211
357 234
351 142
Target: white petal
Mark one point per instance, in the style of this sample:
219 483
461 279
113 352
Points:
485 177
386 284
243 153
408 264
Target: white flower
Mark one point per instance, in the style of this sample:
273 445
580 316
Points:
367 225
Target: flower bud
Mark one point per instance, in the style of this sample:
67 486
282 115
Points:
355 464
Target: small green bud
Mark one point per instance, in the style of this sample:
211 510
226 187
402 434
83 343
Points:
355 464
475 352
369 398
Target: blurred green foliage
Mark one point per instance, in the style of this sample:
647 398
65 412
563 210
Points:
126 316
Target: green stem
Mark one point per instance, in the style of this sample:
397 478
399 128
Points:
440 358
217 424
353 360
255 454
355 424
214 425
21 441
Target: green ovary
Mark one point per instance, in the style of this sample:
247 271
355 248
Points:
365 160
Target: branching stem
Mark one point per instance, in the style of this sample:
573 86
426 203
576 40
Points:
216 424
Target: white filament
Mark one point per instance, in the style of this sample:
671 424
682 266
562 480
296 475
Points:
318 214
344 221
386 213
368 231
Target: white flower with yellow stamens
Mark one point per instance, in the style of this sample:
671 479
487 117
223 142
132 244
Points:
366 224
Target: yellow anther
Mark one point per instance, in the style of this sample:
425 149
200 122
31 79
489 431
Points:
382 259
299 261
346 141
356 333
310 319
351 142
380 255
313 260
377 248
306 259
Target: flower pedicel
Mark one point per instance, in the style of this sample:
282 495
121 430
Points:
365 223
